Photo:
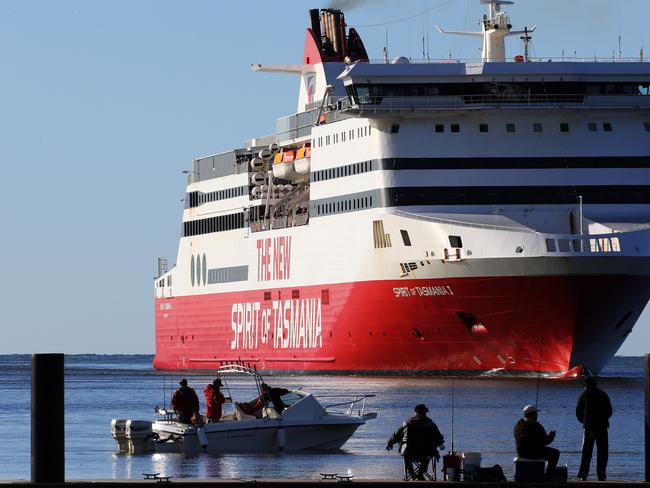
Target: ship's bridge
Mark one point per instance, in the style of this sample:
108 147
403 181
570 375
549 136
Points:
421 86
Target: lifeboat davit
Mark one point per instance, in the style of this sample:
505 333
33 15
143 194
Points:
302 164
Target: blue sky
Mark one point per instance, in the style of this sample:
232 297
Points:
103 103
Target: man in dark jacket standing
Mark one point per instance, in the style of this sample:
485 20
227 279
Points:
532 440
593 411
185 402
419 438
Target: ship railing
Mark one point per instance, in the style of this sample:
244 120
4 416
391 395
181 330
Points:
392 104
534 59
616 241
299 126
389 104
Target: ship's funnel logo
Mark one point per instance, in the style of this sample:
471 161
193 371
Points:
311 88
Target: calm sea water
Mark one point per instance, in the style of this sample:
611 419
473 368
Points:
99 388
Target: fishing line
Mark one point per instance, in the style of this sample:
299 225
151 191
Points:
406 18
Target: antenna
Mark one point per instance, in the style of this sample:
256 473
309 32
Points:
526 38
620 51
386 48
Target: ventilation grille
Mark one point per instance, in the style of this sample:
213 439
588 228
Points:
380 237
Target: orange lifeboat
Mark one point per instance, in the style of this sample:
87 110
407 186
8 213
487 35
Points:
283 166
302 163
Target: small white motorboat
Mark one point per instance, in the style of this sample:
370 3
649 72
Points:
304 424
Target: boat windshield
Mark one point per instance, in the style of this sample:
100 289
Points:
291 398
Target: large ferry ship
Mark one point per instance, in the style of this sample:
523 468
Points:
421 217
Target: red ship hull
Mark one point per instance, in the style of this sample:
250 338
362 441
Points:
547 324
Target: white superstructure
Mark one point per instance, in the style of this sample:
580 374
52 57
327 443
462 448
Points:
476 215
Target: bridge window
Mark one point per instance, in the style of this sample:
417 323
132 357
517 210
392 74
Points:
564 127
592 126
647 126
455 128
455 241
439 128
607 127
510 128
394 129
537 127
405 237
483 128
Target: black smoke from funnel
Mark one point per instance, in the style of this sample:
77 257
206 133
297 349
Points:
347 5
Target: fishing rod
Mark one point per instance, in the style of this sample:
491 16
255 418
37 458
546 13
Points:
539 373
452 417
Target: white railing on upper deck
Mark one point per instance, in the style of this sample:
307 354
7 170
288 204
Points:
552 59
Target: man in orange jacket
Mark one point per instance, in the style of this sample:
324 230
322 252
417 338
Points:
214 399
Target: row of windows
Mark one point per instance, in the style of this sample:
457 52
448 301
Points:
374 93
454 241
197 198
213 224
161 283
412 196
512 128
344 205
341 171
343 136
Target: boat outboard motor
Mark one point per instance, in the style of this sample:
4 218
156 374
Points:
140 436
118 430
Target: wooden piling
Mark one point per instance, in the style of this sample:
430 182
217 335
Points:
48 434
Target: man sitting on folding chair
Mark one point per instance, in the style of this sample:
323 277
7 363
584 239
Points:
419 440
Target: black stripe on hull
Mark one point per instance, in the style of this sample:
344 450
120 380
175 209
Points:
517 195
515 163
494 196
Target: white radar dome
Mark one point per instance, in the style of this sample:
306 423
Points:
400 60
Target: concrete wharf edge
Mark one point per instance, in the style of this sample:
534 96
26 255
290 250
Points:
293 483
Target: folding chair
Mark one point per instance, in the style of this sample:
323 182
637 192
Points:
417 465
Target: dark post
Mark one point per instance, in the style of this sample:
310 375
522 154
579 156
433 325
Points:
647 418
48 435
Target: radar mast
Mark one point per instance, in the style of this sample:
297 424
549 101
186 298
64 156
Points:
496 27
